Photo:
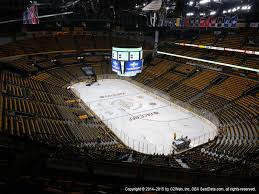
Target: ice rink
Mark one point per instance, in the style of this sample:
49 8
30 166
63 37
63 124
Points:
143 121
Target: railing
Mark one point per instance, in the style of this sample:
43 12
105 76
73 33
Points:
140 146
145 146
199 140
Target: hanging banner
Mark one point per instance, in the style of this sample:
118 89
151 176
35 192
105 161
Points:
182 22
177 22
207 22
197 22
202 22
186 22
213 22
219 22
227 23
254 25
30 16
233 22
192 22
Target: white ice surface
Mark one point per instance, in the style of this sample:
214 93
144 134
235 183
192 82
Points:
117 101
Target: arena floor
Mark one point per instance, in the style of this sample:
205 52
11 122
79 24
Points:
143 121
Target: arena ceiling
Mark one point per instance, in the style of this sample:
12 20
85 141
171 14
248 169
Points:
120 11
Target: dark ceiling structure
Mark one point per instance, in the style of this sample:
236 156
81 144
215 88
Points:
124 12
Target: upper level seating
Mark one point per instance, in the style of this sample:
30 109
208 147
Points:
205 39
232 41
63 42
67 60
50 79
228 88
23 64
103 42
252 62
229 58
251 42
44 44
202 80
185 69
66 42
246 39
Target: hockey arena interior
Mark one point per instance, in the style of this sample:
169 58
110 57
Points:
129 96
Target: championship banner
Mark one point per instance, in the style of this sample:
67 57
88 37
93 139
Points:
177 22
169 22
213 22
207 22
186 22
182 22
30 16
254 25
233 22
227 23
202 22
197 22
192 22
219 22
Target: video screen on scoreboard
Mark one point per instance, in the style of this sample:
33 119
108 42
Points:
88 70
134 56
123 56
127 61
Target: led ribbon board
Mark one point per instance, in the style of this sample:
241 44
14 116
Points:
219 48
127 61
208 61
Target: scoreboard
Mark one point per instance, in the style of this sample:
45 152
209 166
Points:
127 61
